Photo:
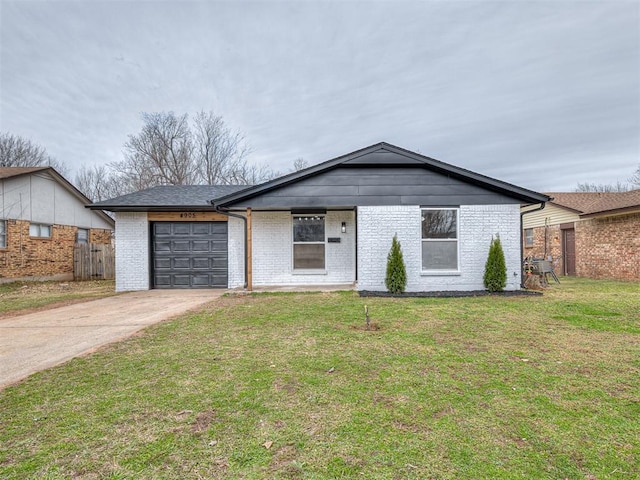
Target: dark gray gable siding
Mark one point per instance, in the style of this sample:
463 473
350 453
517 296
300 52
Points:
381 174
348 186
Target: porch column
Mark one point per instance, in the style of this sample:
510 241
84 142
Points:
249 258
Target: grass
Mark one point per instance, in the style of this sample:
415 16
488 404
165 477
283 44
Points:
290 386
22 297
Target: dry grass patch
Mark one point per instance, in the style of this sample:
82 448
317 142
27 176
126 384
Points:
25 297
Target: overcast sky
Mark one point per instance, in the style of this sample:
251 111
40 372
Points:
541 94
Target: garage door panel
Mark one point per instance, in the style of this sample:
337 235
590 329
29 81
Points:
162 280
201 263
162 262
181 229
180 246
190 254
162 229
162 246
181 263
200 246
201 228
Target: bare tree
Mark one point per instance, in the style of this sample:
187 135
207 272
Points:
601 187
300 164
161 154
100 183
16 151
217 150
244 173
635 178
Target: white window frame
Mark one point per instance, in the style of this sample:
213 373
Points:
528 239
39 227
293 243
86 239
441 271
3 233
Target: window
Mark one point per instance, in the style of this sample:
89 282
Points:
528 237
82 235
440 239
308 242
3 234
39 230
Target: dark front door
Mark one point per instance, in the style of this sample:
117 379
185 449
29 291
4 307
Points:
189 254
569 251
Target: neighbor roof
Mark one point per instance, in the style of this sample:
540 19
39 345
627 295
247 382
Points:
8 172
389 155
589 204
168 198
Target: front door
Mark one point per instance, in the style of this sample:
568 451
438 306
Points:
569 251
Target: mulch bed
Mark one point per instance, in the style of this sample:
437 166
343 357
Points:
450 294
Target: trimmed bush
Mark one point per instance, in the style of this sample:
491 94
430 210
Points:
495 270
396 279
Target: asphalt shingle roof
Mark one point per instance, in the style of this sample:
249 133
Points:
170 196
589 203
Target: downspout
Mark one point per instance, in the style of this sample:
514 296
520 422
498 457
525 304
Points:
522 214
244 219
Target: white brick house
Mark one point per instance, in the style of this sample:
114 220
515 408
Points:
332 223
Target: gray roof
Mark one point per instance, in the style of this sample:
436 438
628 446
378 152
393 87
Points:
168 197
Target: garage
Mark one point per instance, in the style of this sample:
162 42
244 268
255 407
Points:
189 255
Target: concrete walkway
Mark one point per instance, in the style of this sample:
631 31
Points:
36 341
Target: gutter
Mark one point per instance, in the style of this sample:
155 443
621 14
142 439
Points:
522 214
244 219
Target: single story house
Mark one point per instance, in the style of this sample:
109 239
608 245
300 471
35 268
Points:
332 223
42 216
587 234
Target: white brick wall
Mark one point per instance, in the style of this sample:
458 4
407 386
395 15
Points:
132 251
477 224
273 250
236 252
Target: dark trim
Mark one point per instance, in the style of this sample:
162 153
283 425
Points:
567 226
151 257
615 211
355 226
414 159
308 211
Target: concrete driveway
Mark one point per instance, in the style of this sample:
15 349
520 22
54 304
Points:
36 341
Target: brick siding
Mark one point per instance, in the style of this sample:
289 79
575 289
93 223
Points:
132 251
273 250
478 223
42 258
609 247
547 241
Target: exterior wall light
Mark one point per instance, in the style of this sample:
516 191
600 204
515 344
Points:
344 227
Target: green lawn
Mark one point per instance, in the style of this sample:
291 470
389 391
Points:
22 297
291 386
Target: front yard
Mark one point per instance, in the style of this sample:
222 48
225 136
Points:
291 386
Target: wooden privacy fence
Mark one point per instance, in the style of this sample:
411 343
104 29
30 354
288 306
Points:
93 261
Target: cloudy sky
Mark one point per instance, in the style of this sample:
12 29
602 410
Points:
542 94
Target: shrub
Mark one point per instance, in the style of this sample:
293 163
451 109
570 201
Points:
495 270
396 279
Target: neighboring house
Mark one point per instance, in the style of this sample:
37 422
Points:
588 234
332 223
42 216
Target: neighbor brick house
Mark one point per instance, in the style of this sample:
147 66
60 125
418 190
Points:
42 216
587 234
332 223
